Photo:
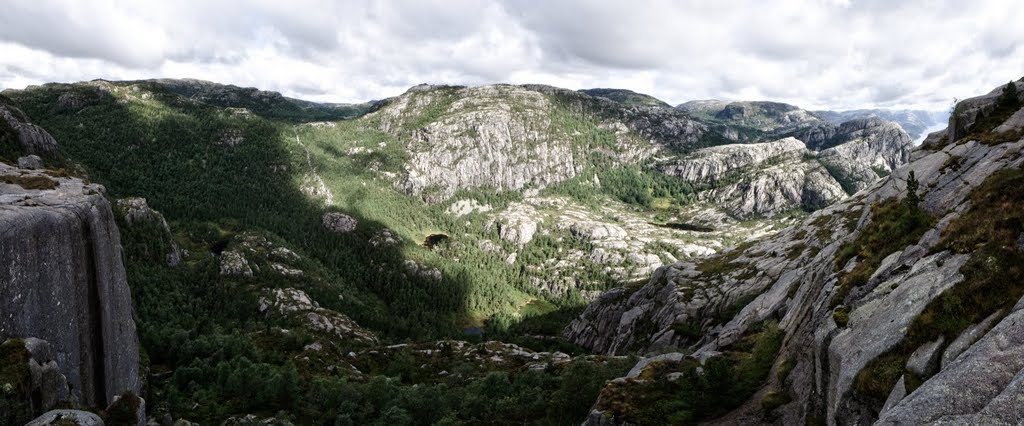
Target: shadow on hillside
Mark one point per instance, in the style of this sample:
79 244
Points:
200 164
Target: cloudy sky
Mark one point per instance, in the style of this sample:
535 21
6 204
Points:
816 53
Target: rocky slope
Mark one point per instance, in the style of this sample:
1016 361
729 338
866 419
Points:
893 306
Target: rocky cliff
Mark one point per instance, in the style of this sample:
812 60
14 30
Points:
65 282
897 305
63 289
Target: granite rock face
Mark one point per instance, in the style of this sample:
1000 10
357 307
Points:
512 138
65 283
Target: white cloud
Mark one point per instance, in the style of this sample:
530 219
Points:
813 53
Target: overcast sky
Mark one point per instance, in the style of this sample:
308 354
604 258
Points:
815 53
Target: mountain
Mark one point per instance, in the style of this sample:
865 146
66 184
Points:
769 117
627 97
898 305
916 122
286 256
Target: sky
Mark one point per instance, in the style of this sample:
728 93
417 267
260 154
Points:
818 54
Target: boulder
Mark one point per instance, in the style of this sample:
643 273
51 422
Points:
47 380
925 359
31 162
338 223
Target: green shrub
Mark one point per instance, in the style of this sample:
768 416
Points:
15 383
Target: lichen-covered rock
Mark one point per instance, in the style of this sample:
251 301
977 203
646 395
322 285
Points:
67 417
768 178
715 163
338 223
64 282
30 162
423 271
464 207
385 237
504 137
231 138
517 223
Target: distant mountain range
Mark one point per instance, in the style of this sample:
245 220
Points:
915 122
774 115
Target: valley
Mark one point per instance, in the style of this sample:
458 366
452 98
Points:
523 253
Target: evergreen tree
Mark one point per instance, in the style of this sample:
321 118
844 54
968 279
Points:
912 199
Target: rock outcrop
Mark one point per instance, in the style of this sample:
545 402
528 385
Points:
850 316
31 138
339 223
64 282
157 243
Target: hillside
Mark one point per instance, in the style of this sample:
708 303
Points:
627 97
898 305
280 257
767 117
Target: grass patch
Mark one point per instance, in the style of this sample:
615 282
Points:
724 263
795 251
841 316
893 226
30 181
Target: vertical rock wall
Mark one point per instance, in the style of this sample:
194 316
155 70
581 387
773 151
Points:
63 281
